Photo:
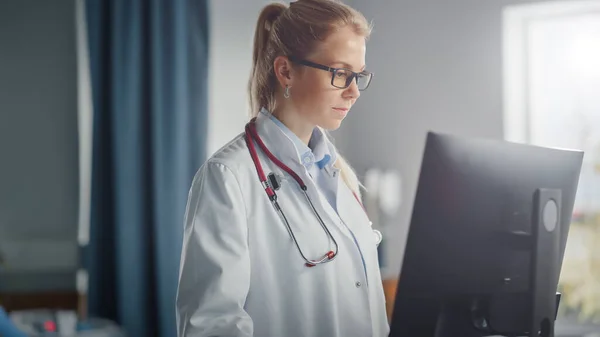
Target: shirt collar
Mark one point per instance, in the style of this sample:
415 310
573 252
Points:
319 150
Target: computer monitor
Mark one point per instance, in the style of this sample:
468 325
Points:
486 239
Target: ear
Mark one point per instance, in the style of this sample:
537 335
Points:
283 70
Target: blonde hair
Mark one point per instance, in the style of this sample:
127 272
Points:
296 30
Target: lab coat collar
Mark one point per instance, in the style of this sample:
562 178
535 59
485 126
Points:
288 148
323 149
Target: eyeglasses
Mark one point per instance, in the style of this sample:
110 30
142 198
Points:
341 78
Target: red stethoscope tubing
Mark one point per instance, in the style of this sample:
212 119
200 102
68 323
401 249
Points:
251 136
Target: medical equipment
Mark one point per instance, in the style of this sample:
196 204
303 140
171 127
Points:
271 185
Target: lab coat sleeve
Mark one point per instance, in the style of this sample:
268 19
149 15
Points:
214 275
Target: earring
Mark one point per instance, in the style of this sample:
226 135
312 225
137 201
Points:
286 93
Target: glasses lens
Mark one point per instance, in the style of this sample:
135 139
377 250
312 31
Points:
341 78
363 80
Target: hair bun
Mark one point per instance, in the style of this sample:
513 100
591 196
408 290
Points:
271 13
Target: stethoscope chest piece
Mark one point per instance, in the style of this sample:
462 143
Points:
378 236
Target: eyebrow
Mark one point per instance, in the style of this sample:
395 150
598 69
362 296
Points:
348 66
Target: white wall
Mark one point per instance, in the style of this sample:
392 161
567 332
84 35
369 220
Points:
231 38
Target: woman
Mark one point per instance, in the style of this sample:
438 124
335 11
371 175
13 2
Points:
311 270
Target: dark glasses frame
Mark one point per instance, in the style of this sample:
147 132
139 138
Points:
353 75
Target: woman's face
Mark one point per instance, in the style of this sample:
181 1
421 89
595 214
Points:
312 93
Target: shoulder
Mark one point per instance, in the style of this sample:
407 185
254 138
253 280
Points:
234 155
232 160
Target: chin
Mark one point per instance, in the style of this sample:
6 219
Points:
332 125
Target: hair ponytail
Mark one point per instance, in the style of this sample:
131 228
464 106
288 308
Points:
261 90
348 175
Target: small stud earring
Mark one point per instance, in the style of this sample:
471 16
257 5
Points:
286 93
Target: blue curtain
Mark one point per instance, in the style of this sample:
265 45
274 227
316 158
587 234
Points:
149 72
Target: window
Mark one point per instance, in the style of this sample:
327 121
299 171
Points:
552 98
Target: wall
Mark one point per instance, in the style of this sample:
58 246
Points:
231 38
38 139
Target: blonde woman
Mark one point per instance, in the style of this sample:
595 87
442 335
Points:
276 242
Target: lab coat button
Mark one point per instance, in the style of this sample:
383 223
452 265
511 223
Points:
358 284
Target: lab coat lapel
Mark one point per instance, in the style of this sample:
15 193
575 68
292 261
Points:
349 208
355 217
323 207
278 143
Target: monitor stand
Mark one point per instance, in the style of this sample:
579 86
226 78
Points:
463 319
545 262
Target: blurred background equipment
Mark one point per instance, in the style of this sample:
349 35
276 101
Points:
61 323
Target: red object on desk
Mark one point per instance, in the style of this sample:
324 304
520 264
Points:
50 326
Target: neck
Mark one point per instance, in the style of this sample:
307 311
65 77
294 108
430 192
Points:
296 124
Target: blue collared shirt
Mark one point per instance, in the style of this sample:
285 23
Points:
316 156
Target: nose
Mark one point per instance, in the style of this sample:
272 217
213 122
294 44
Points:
352 91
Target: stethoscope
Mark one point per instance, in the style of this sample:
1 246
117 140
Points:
271 185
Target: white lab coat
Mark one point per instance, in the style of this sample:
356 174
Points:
242 275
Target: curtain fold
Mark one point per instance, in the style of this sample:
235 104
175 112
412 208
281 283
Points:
149 73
